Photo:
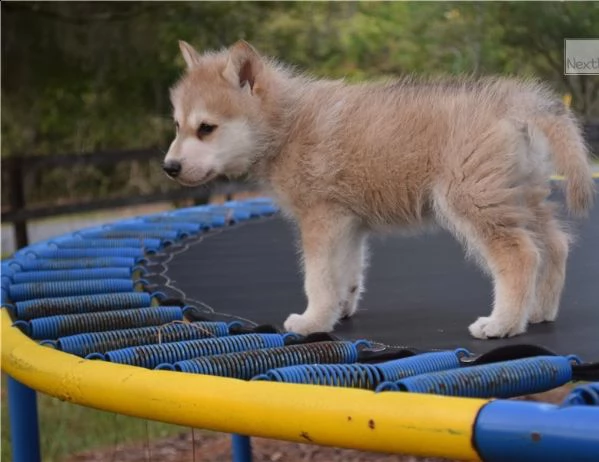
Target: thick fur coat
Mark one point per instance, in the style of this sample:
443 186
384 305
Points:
470 155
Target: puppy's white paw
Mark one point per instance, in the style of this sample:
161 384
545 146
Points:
304 325
487 327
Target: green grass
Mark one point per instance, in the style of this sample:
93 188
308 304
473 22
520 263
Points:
68 428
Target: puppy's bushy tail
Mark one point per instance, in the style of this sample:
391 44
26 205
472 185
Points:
571 159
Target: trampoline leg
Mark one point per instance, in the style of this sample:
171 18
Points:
242 448
24 428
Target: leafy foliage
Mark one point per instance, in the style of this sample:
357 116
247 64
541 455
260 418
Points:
79 76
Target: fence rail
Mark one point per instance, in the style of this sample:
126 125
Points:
16 169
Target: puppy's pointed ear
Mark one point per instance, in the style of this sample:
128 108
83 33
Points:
244 65
190 55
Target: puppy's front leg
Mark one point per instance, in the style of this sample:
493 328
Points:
327 242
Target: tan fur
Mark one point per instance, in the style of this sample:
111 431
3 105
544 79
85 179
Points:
472 156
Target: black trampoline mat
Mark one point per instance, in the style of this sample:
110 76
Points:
420 291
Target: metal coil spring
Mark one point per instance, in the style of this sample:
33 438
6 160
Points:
248 364
7 279
79 263
498 380
72 275
336 375
43 307
151 356
366 375
52 327
214 220
78 243
584 395
101 342
8 271
6 276
168 235
233 213
221 208
179 226
255 208
421 364
51 252
31 290
204 221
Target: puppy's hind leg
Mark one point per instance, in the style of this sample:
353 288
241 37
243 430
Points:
328 239
513 259
552 272
511 256
355 264
481 198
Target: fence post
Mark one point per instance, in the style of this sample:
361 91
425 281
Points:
17 200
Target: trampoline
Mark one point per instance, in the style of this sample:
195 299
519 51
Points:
419 290
177 317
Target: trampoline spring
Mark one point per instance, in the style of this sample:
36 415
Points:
203 221
151 356
233 214
497 380
243 212
421 364
367 375
257 208
72 275
167 236
53 327
101 342
43 307
78 243
33 290
6 280
584 395
248 364
202 329
7 272
210 219
96 252
78 263
336 375
179 226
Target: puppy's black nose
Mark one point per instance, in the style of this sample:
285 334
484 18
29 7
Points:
172 168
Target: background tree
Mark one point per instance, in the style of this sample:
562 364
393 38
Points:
79 76
85 76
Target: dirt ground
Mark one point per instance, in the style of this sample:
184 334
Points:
199 446
216 447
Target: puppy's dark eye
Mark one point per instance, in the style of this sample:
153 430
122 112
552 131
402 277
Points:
205 130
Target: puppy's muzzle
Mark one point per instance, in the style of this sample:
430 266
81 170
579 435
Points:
172 168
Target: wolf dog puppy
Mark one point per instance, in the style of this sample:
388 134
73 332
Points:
470 155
